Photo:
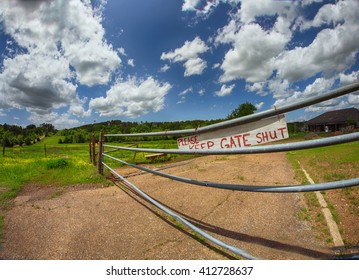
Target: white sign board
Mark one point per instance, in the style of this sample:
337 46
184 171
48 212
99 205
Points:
246 135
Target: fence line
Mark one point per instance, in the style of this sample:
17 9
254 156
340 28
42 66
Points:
247 150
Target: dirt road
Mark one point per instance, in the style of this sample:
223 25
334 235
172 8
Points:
109 223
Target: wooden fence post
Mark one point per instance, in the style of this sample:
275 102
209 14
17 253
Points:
90 148
93 149
100 156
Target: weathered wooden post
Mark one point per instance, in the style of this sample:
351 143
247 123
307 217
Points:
100 152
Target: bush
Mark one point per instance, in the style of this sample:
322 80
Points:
28 141
58 163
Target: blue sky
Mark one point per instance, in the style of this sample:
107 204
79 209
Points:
76 62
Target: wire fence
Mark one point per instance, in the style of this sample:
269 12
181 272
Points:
242 150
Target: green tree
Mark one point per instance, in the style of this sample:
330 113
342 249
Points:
28 140
242 110
20 140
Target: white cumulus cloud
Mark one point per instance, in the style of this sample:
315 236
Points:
225 90
332 51
190 5
251 9
266 50
183 94
204 7
259 105
188 54
28 82
165 68
55 47
131 62
346 79
253 54
132 98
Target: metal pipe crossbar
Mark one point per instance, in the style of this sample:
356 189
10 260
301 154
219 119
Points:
249 188
340 139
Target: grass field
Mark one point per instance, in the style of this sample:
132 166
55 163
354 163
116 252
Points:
133 157
328 164
62 164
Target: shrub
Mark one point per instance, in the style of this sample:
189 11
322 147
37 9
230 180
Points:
57 163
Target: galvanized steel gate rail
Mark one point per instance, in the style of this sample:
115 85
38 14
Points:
247 150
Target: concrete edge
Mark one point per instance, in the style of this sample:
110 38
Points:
332 225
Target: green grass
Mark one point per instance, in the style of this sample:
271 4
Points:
201 239
330 163
299 174
349 193
334 176
303 214
64 166
312 199
135 157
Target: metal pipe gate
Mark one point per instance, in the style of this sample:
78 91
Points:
246 150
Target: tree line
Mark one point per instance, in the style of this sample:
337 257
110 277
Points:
11 135
81 134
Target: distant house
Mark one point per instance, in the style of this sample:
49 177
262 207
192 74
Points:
339 120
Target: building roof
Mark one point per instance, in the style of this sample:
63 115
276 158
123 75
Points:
335 117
